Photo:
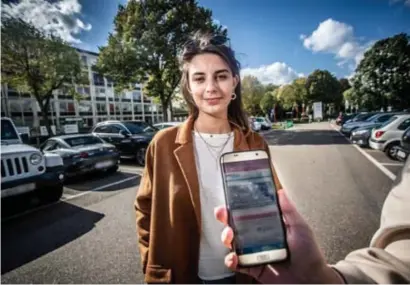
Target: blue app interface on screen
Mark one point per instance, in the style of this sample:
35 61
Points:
251 197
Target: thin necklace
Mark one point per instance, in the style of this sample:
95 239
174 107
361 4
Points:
218 154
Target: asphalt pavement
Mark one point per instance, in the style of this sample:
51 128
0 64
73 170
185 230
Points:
90 236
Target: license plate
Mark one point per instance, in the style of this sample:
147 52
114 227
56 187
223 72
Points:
361 141
18 190
401 154
103 164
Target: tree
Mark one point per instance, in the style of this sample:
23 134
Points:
351 96
267 102
383 76
344 84
37 63
323 86
287 96
147 40
252 93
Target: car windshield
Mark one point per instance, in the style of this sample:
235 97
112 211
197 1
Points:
82 141
139 127
371 117
7 131
387 122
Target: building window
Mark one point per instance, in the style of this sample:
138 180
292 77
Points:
98 79
85 107
101 108
147 108
137 108
84 60
136 96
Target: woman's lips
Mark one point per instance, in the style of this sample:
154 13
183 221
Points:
213 101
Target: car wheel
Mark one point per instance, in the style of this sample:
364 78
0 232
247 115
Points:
50 194
391 150
140 156
113 169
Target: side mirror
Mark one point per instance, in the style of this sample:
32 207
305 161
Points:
124 134
25 138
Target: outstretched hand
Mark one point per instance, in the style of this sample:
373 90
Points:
307 263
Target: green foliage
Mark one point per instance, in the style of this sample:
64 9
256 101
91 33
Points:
148 37
383 76
37 63
267 102
323 86
252 93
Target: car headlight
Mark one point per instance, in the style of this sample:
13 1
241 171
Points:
360 132
35 158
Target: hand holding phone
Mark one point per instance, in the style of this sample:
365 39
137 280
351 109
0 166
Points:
307 264
253 208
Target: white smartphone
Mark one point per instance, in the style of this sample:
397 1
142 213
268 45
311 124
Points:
254 211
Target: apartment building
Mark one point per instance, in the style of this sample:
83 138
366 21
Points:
99 102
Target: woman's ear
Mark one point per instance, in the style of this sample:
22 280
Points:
235 81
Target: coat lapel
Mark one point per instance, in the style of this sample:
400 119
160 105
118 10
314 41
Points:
186 160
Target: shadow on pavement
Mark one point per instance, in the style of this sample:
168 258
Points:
31 236
305 137
99 180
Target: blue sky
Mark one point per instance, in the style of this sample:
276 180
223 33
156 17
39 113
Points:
276 41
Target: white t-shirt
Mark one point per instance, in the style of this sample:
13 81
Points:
212 251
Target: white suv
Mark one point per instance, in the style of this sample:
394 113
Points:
265 123
387 137
25 169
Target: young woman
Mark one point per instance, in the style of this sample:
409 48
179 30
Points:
178 236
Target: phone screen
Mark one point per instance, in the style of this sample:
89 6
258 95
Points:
254 212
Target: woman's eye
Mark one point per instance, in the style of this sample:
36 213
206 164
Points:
199 79
222 77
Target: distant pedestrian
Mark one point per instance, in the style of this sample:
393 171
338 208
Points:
179 239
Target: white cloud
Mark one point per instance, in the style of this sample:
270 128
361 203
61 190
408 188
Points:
405 2
217 22
336 38
59 18
277 73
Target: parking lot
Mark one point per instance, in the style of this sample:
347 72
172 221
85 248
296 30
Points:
127 176
390 167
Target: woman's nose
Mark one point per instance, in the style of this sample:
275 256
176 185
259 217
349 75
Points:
211 85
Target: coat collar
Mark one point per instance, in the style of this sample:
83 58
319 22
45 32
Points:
186 159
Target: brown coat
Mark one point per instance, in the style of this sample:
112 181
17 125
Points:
168 205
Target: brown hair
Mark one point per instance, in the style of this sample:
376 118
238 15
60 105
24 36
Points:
201 43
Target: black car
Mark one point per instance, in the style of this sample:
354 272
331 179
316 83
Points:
403 150
131 138
361 136
83 153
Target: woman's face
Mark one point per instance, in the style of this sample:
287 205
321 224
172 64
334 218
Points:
211 84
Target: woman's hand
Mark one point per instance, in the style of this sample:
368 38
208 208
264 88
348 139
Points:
307 263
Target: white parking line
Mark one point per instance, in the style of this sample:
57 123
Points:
368 156
392 164
98 188
131 170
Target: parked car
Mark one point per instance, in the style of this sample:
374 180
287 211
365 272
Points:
361 136
387 137
375 119
83 153
403 150
359 117
342 118
131 138
255 126
165 125
265 123
25 169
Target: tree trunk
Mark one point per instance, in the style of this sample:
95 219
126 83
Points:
44 114
164 105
